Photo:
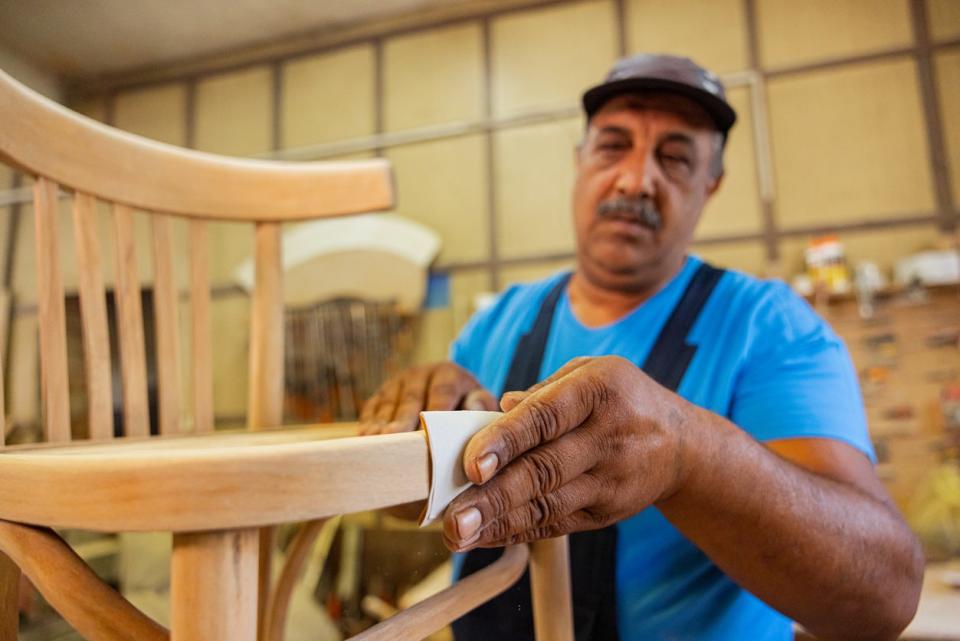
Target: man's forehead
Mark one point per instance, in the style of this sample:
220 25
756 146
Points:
674 104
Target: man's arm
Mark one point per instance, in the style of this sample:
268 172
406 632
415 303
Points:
804 525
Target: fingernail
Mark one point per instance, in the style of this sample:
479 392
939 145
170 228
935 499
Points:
487 466
468 522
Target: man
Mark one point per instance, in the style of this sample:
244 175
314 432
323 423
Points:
700 430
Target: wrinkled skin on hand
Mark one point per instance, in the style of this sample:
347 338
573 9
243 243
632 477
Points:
595 443
396 406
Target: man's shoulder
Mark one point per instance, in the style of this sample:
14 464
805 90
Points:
521 297
767 308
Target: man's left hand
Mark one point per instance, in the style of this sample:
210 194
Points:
595 443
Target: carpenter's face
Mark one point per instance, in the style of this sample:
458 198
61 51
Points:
644 174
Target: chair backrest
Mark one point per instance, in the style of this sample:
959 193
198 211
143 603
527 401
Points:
71 156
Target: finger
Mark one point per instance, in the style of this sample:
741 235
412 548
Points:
480 400
513 398
532 519
406 417
448 385
579 521
545 415
389 396
540 472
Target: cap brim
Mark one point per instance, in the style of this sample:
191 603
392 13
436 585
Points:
722 113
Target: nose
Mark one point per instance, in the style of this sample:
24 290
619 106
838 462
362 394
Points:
636 176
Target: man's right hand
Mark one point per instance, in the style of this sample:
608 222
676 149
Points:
396 406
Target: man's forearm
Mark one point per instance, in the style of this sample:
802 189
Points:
832 557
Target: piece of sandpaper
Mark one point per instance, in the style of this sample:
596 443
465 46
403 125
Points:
447 436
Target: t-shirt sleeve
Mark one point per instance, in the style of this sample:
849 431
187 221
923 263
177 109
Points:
798 379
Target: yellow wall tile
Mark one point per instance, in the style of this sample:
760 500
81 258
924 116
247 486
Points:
883 247
546 58
230 317
328 97
860 154
748 256
534 177
234 112
712 32
433 77
947 69
735 208
433 332
944 18
530 272
23 382
157 112
465 285
443 184
793 33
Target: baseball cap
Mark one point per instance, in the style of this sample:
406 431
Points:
664 72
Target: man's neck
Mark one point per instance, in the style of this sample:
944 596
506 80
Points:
595 305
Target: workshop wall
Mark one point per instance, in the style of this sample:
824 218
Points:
845 108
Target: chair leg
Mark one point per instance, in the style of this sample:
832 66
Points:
213 586
264 580
550 587
9 597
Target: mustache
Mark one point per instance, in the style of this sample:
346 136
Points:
640 210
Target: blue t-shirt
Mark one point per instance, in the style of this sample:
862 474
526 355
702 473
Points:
764 360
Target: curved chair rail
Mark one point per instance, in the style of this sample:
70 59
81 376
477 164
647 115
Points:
93 608
428 616
46 139
215 482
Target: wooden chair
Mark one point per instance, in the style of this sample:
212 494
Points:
217 492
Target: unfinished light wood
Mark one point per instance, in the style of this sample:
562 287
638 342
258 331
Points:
213 586
279 602
54 386
50 140
265 398
167 323
184 489
550 588
9 598
266 331
90 606
133 363
93 313
201 328
441 609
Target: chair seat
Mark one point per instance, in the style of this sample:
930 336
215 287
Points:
213 481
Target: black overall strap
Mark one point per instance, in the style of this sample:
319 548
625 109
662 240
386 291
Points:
509 617
525 369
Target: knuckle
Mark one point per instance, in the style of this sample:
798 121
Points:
544 419
543 469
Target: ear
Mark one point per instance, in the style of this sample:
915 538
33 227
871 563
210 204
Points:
713 185
577 150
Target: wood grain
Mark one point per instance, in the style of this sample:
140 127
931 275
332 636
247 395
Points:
550 588
93 312
50 140
93 608
213 586
133 364
441 609
200 328
184 489
54 384
266 331
166 306
9 594
275 620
